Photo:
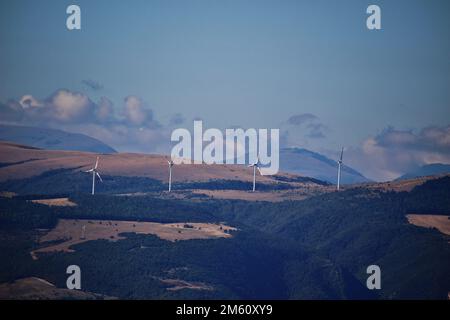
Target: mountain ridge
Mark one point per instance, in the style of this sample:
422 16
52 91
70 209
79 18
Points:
426 170
312 164
52 139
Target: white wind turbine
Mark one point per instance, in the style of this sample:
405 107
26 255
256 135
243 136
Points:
339 170
94 173
255 166
170 162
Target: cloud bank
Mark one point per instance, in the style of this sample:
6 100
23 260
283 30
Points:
302 130
132 127
394 152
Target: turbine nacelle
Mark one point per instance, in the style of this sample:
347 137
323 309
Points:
256 164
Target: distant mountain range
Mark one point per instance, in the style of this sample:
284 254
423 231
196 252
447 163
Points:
292 160
312 164
427 170
52 139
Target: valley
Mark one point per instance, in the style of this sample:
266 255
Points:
212 238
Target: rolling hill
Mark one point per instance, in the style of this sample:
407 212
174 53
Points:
316 247
52 139
21 161
29 170
427 170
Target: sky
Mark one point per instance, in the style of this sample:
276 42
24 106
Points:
138 69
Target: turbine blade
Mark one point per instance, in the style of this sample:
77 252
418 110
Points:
98 175
96 164
342 153
90 170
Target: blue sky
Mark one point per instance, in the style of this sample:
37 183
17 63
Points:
248 63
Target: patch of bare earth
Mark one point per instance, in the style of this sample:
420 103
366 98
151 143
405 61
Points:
178 284
56 202
439 222
69 232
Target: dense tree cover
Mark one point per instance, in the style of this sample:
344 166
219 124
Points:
15 258
141 208
72 181
251 265
357 228
22 214
316 248
231 185
301 179
433 197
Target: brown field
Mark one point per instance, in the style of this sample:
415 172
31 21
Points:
56 202
70 231
27 162
440 222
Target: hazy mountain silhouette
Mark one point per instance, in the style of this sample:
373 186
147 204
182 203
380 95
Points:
312 164
52 139
427 170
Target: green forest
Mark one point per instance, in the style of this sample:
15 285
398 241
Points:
317 248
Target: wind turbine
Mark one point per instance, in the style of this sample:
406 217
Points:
339 169
255 166
170 162
94 173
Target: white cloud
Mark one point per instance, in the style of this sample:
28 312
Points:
67 106
395 152
135 131
28 101
136 113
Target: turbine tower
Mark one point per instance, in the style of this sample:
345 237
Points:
339 169
255 166
170 162
83 232
94 173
